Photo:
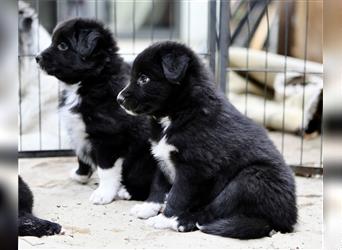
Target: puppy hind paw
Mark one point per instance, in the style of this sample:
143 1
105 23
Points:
162 222
83 179
123 194
146 210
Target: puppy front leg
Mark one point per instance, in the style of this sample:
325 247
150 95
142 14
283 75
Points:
178 203
109 180
155 202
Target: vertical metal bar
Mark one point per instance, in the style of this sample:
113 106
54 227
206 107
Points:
171 20
224 43
266 59
59 86
285 74
39 82
133 26
188 23
304 78
96 9
212 33
247 55
152 22
115 20
59 117
58 10
321 147
77 8
20 108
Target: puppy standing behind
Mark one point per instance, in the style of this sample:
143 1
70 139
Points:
227 176
83 54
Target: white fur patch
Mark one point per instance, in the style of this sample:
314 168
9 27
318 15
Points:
165 123
79 178
161 151
126 110
123 194
199 226
110 182
146 210
162 222
75 125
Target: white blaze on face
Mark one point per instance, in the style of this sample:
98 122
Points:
126 110
110 183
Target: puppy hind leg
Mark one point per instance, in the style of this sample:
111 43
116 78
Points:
110 183
82 173
240 210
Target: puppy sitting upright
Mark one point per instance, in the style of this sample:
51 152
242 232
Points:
83 54
227 177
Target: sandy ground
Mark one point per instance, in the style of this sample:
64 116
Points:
89 226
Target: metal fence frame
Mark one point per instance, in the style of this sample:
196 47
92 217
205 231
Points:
219 40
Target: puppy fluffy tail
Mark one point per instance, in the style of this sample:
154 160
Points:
238 226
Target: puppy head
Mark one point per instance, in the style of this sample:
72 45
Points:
27 16
159 75
80 48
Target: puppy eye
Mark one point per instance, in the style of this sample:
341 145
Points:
143 79
62 46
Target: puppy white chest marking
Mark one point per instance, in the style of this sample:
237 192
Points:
162 150
75 125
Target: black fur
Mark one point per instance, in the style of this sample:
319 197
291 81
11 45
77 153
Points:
230 178
28 224
91 60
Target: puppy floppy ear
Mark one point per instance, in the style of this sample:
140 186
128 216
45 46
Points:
175 66
87 42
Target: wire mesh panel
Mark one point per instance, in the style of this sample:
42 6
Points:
135 25
264 54
274 71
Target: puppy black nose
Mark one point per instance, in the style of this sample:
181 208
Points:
120 99
28 21
38 58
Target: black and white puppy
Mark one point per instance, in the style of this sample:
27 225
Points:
227 176
28 224
83 54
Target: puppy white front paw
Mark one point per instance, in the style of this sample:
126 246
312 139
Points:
102 196
78 178
123 194
162 222
146 210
